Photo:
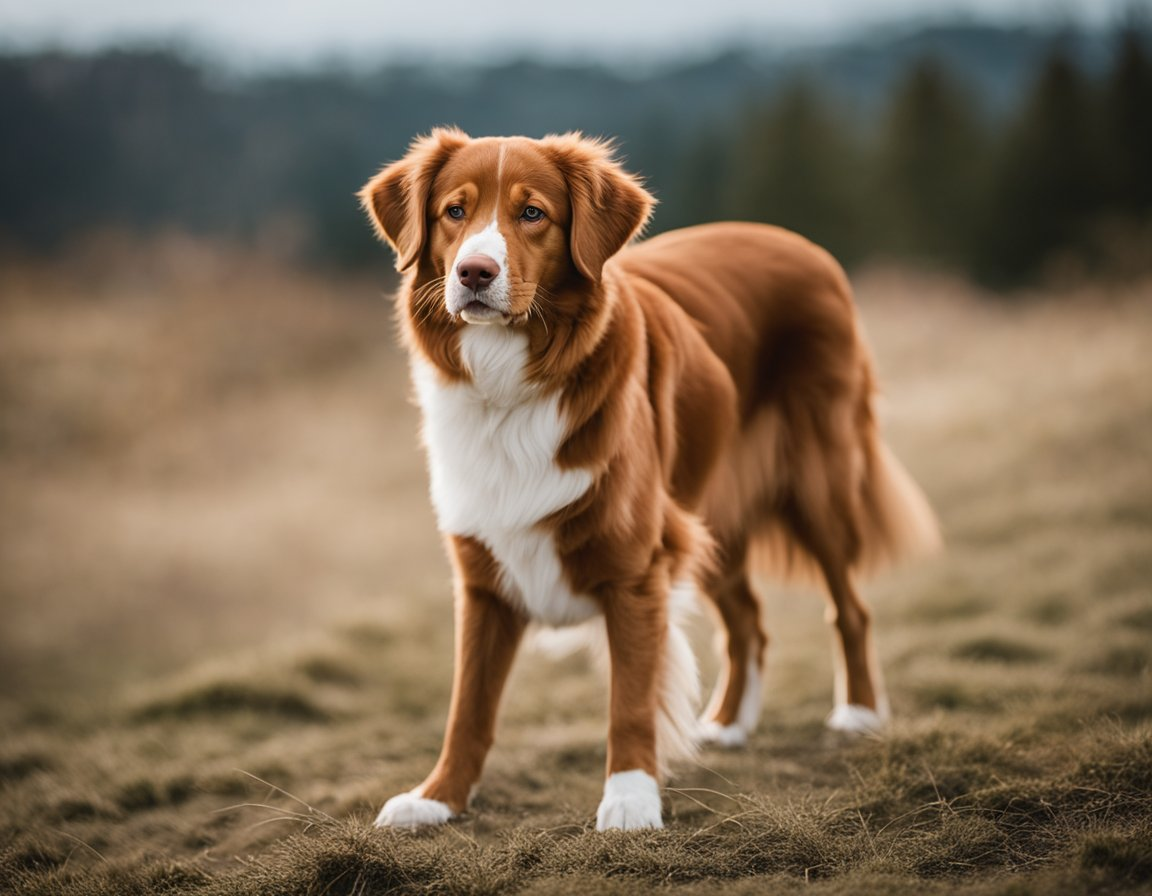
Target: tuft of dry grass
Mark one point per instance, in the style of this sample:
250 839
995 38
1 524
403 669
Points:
226 616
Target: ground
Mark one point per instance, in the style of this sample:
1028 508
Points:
226 617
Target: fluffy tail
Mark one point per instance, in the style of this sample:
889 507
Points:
891 521
898 524
677 726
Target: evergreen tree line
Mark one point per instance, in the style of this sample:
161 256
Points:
1064 180
908 161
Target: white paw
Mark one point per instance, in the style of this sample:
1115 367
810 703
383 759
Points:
853 718
712 732
410 810
631 802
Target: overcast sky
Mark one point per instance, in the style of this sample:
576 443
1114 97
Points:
260 32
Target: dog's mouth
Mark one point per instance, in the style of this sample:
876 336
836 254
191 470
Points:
478 312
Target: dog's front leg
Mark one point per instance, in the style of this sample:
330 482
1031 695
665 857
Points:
488 631
637 629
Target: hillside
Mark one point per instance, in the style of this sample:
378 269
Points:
226 615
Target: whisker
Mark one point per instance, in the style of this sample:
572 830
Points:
429 290
534 306
545 292
426 299
424 304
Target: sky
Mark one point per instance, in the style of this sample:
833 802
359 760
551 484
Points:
273 32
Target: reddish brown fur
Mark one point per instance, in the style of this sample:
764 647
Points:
712 374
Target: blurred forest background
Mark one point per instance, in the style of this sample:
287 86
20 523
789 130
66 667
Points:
1008 153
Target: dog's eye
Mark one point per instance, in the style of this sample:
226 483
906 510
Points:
456 211
531 213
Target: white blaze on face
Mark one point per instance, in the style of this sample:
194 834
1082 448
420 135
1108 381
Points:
492 304
489 241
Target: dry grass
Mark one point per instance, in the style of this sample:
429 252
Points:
225 633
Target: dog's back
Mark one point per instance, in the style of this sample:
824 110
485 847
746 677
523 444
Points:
777 310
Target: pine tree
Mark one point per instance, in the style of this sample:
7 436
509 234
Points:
929 166
1128 106
700 184
1046 186
796 163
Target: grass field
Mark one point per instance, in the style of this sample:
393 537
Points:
226 620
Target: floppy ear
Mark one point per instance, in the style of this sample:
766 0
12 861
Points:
396 198
609 205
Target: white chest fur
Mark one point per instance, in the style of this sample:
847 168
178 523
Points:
492 447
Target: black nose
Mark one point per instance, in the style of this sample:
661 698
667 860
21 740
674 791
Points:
477 271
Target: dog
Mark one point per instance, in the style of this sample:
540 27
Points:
611 428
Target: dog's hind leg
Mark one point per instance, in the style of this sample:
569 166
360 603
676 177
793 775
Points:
734 709
861 705
824 515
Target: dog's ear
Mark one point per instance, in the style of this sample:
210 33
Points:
609 205
396 198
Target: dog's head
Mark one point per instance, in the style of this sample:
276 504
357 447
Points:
498 230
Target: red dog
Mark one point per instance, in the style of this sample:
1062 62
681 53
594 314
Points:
606 427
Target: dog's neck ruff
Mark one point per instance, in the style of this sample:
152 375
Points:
492 444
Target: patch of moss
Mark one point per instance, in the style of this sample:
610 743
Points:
997 650
1126 661
1126 856
1050 610
21 765
38 857
327 670
78 808
1140 618
142 793
228 697
954 695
